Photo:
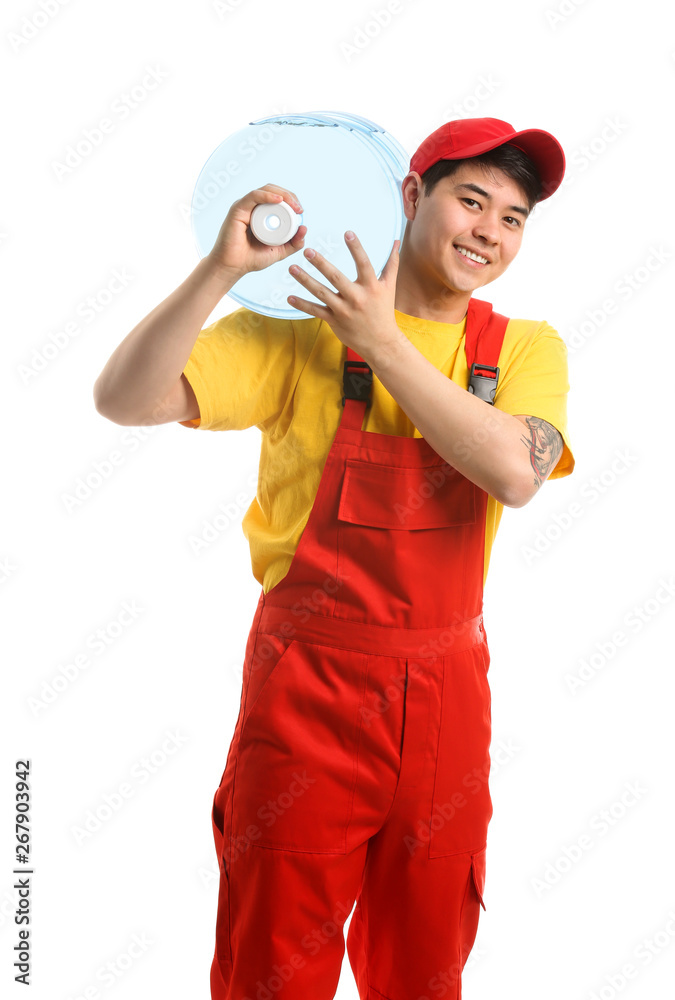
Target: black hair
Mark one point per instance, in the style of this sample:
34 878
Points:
515 164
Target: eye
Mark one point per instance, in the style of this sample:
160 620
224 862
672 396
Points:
472 200
511 218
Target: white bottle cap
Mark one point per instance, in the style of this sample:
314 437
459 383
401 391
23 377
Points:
274 224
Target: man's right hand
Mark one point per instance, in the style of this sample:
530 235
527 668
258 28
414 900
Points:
236 250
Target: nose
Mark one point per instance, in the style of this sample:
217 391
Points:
487 228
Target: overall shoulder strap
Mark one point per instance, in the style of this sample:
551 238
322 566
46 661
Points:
484 336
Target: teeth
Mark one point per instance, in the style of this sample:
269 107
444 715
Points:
473 256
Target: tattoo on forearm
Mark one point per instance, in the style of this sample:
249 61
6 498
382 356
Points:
545 445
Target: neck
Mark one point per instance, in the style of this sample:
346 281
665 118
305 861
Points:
449 307
418 293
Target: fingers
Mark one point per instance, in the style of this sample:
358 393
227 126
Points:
260 196
299 236
311 284
311 308
288 196
364 269
268 194
295 243
328 270
390 269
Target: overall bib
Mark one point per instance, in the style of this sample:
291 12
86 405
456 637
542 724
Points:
358 769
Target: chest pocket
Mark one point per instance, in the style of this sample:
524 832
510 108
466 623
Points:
383 496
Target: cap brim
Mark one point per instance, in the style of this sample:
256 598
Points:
543 149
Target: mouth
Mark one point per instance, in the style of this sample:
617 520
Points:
474 260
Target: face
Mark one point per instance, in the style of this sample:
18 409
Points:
471 212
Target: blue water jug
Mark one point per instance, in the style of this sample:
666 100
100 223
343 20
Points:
347 173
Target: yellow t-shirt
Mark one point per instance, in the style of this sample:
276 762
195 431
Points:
285 377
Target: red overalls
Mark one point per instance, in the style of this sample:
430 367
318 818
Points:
358 769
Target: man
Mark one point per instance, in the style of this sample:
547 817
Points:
358 769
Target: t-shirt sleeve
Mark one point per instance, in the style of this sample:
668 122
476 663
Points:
536 383
241 370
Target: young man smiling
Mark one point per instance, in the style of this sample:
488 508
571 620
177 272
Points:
463 233
358 770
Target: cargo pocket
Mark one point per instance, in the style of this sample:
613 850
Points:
384 496
268 652
399 519
478 874
223 947
219 822
473 900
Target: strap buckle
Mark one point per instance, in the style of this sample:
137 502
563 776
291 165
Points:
484 386
356 385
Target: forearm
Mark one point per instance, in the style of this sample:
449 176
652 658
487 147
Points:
147 364
480 441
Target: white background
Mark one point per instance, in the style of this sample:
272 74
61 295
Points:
599 76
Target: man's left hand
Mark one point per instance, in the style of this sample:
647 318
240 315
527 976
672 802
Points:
360 313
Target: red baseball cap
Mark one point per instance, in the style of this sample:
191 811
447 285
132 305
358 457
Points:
472 136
